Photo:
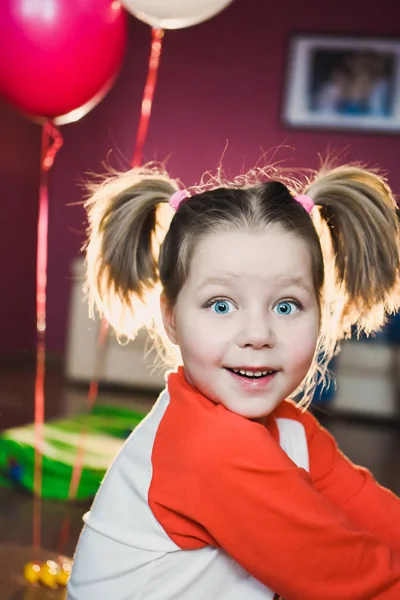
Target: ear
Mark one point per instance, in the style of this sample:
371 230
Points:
168 317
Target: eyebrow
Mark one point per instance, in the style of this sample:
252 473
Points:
284 281
221 280
218 280
297 281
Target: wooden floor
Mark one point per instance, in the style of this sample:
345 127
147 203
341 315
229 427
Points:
376 446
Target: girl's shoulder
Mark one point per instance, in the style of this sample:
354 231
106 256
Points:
289 410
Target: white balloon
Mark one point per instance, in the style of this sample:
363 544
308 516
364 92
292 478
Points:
174 14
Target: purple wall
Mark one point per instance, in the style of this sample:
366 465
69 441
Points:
221 80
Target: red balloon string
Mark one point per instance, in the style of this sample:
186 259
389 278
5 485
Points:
91 399
147 101
80 453
148 95
51 143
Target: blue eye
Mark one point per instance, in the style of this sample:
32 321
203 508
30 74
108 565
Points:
286 307
222 307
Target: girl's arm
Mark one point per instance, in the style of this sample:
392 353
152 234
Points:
353 489
238 490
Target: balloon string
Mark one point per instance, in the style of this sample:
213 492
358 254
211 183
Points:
91 399
148 95
147 101
51 143
80 453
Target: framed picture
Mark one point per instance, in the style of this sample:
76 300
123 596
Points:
343 83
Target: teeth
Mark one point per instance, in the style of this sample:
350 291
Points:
252 373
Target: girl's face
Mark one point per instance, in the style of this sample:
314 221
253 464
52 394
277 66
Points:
246 320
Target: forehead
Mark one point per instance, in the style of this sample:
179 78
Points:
271 254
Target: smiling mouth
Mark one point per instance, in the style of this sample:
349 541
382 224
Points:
252 374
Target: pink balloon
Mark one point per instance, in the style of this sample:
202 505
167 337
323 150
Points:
58 58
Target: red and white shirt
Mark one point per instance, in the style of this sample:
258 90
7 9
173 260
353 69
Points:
203 504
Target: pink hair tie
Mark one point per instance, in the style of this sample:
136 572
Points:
306 202
178 197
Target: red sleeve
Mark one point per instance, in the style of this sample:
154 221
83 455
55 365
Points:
353 489
238 490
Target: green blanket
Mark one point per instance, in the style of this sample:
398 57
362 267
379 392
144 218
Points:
106 429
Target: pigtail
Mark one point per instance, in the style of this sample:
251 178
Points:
124 237
359 210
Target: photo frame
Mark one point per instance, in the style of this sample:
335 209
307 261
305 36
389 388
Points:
338 82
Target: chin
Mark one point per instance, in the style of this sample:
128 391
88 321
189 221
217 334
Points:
255 414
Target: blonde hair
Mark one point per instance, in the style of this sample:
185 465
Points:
137 246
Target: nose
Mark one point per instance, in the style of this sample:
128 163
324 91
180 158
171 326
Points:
256 331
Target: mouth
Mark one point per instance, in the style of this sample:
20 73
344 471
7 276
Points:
252 373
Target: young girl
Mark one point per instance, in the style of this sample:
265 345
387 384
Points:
228 490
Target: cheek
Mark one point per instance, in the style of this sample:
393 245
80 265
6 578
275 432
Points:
192 337
301 347
201 339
